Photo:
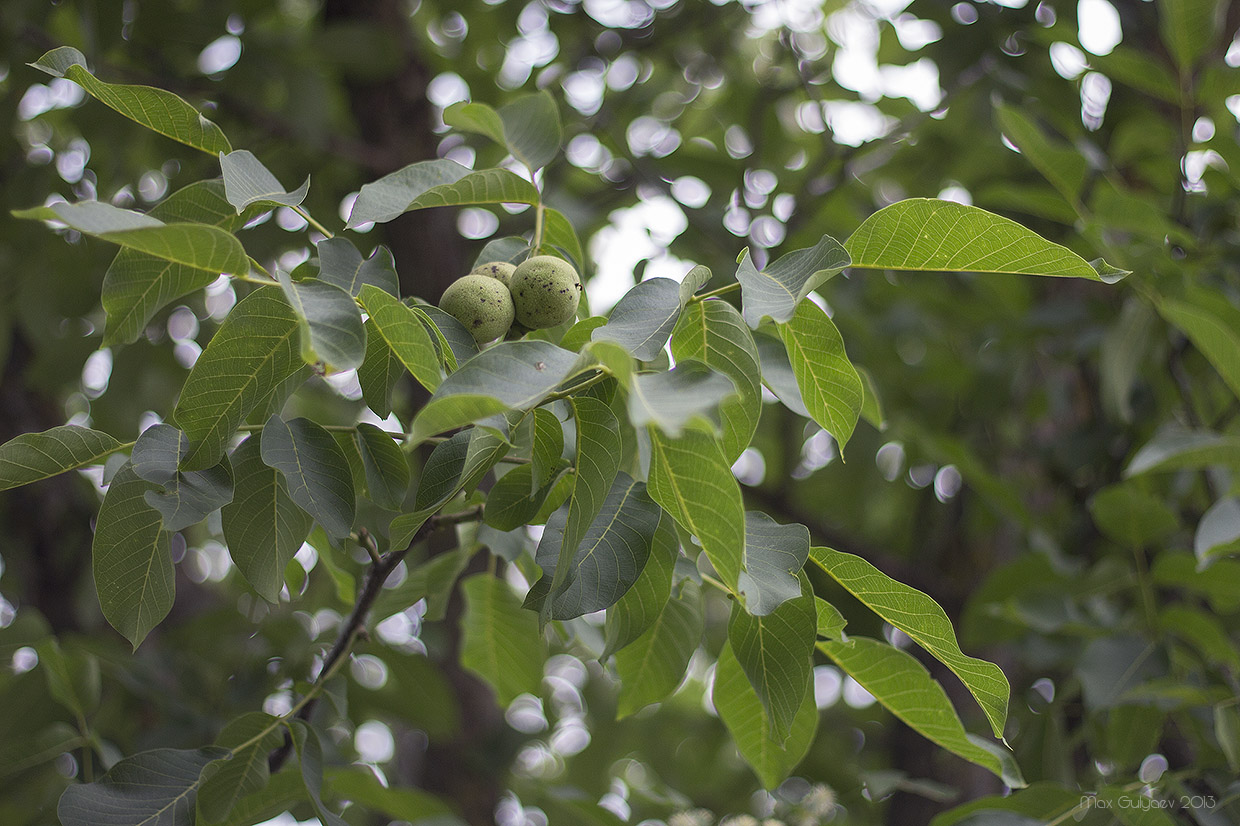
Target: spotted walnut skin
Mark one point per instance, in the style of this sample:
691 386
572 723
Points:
545 292
480 302
496 269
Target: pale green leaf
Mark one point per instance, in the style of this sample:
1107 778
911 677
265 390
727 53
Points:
388 197
341 264
653 665
643 320
528 127
691 480
925 622
1218 532
1184 449
132 558
32 457
774 556
694 280
500 642
671 400
247 181
1131 516
153 788
829 385
904 687
777 374
771 758
263 526
405 334
72 676
315 469
926 234
330 322
379 373
156 109
775 652
253 353
558 233
226 781
776 291
1212 324
831 622
713 333
201 246
641 605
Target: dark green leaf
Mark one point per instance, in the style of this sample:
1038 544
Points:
672 400
341 264
316 471
360 785
154 788
510 504
330 322
379 373
641 605
405 334
72 676
32 457
1132 517
385 465
528 127
774 555
644 318
247 181
1212 324
226 781
310 755
1062 166
437 183
192 495
1218 532
547 447
1180 449
776 291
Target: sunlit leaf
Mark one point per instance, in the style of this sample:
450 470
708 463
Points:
405 334
437 183
32 457
529 127
653 665
776 291
829 385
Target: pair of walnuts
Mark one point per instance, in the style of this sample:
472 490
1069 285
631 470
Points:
542 291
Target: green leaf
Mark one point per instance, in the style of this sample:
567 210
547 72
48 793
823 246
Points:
310 756
1218 532
672 400
1227 732
229 779
641 605
385 465
777 374
186 497
132 559
405 334
379 373
644 318
1062 166
776 291
341 264
510 503
38 749
829 385
1132 517
316 470
284 791
774 556
247 181
511 375
437 183
775 652
253 353
653 665
904 687
547 447
558 233
432 581
1212 324
871 405
1189 28
414 805
1203 631
1184 449
771 758
528 127
156 109
263 526
694 280
831 622
457 344
72 677
930 235
330 322
32 457
137 285
925 622
609 559
691 480
154 788
713 333
201 246
1134 809
500 642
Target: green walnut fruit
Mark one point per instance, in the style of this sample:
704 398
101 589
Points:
496 269
545 292
483 304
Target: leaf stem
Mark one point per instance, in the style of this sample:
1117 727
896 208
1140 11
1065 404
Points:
315 224
602 373
266 281
724 290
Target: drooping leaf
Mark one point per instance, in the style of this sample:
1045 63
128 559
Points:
1212 324
1062 166
330 322
691 480
192 495
201 246
72 676
1181 449
559 234
694 280
774 651
153 788
253 352
310 756
501 642
385 466
906 689
829 385
341 264
247 181
32 457
315 469
132 558
546 448
714 333
672 400
263 526
653 665
609 559
772 758
641 605
456 343
379 373
437 183
926 234
774 556
643 320
511 375
227 780
137 284
156 109
405 334
776 291
529 126
1218 532
511 503
777 374
925 622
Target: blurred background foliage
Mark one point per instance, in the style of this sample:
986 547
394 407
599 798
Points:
1013 407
